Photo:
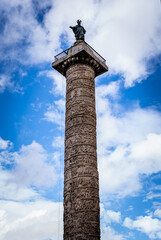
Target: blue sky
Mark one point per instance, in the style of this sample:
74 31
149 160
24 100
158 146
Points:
32 108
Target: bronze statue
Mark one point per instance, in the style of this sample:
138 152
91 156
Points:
79 31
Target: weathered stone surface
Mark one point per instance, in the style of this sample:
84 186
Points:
79 149
79 182
80 171
84 159
77 140
80 129
80 119
79 109
81 185
80 92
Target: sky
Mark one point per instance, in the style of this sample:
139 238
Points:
32 109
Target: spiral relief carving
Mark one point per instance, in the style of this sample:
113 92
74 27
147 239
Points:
81 184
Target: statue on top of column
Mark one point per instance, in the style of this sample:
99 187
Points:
78 30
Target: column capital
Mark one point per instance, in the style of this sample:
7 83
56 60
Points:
80 52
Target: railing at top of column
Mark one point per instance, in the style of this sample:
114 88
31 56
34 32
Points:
64 53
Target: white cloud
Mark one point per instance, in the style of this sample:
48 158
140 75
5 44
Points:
37 220
102 92
110 234
151 195
59 82
113 216
56 113
58 142
120 126
9 190
148 225
124 36
112 89
53 116
4 144
132 161
30 167
22 27
147 154
33 166
129 139
157 213
7 83
24 214
109 216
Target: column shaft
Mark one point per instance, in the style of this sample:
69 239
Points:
81 184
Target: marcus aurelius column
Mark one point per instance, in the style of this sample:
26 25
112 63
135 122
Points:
80 64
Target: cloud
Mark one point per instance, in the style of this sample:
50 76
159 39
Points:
148 153
59 82
113 216
109 217
10 190
26 170
110 90
58 142
4 144
119 126
31 220
157 213
152 195
110 234
24 213
56 113
148 225
105 93
132 161
6 82
124 36
32 166
128 138
22 30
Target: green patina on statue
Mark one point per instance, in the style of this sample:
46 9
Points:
79 31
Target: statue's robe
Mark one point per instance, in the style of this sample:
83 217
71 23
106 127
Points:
79 32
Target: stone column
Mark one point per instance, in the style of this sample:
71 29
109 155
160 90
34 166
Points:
81 191
81 184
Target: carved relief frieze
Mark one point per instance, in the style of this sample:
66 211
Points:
79 109
80 129
81 160
80 139
80 182
80 100
79 149
80 83
80 171
81 91
80 119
